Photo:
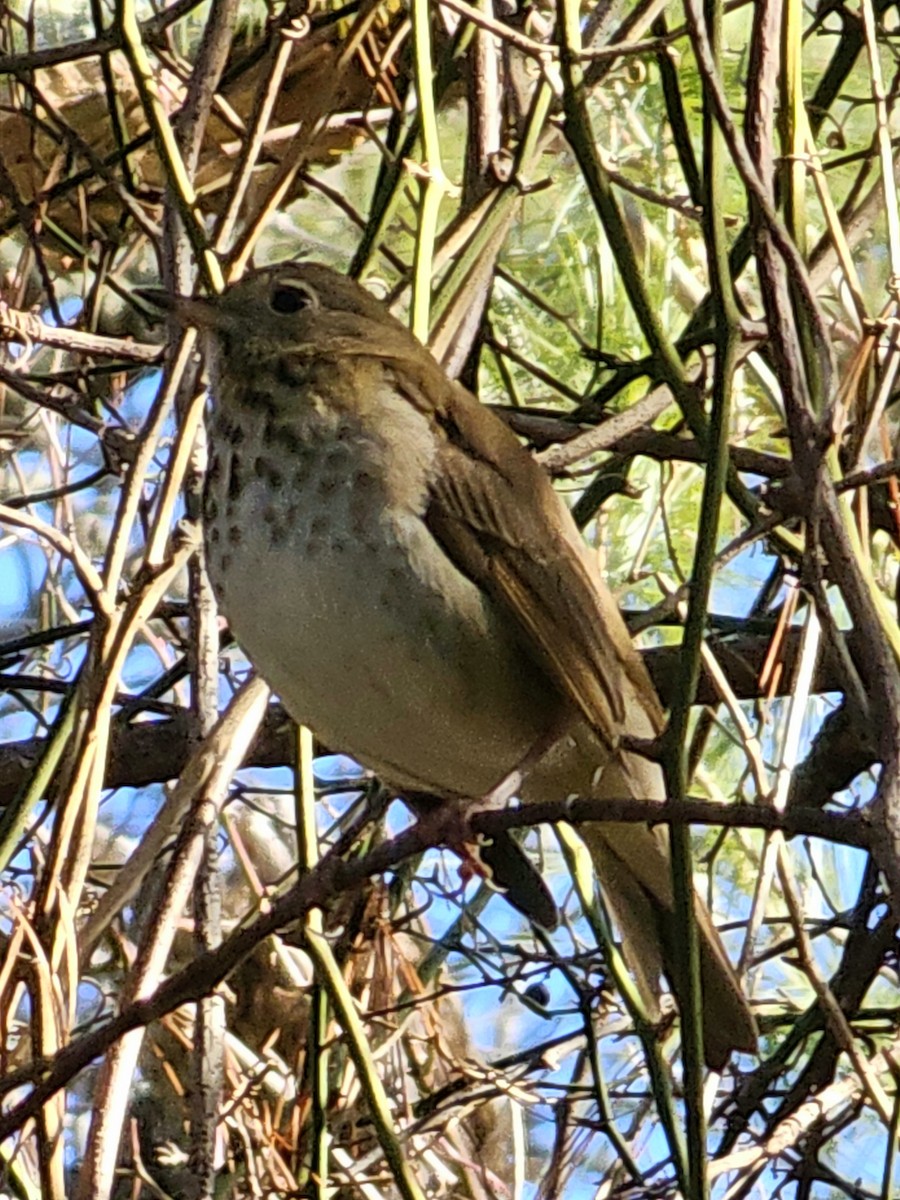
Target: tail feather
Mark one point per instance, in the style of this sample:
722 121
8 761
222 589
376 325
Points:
513 872
642 903
507 867
634 869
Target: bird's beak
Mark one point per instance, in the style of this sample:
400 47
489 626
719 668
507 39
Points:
190 310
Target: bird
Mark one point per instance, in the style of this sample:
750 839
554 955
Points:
404 575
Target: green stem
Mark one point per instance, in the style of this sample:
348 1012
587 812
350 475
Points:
435 184
329 973
17 814
726 324
167 145
577 129
319 1014
581 870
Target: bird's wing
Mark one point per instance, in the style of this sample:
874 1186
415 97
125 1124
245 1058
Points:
497 516
499 519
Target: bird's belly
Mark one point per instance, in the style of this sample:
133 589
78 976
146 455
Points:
380 645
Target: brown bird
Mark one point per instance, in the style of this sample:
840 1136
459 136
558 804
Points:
404 575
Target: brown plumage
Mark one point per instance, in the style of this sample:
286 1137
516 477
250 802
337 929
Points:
404 574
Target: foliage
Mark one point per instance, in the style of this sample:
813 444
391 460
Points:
664 242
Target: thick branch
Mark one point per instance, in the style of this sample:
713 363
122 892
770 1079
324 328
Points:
333 876
153 752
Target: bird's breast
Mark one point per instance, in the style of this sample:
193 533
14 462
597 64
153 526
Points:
342 598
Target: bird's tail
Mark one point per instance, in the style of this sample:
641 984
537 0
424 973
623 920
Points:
513 873
506 866
633 866
632 863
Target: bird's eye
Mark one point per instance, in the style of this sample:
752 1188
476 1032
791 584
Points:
290 298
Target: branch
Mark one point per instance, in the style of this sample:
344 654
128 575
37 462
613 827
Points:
333 876
153 752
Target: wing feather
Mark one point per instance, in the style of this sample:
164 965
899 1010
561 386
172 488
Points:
499 518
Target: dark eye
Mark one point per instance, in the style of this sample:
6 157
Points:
290 298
